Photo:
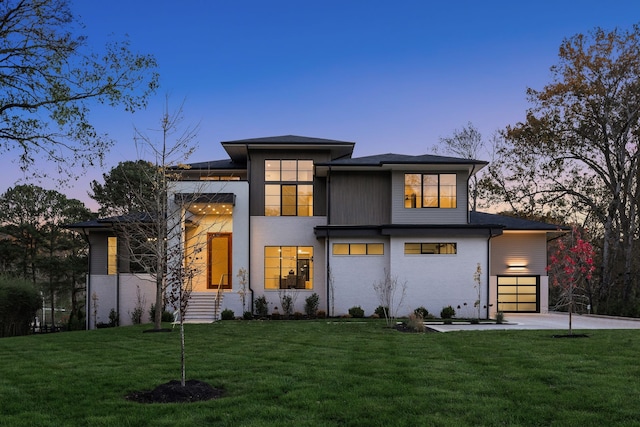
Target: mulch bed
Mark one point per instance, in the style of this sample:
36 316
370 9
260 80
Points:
402 327
571 336
173 392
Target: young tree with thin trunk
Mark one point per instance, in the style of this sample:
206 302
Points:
157 222
477 285
571 268
390 292
145 231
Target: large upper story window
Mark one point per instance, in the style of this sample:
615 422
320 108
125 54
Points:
430 190
288 189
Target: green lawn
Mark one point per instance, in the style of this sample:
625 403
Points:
323 373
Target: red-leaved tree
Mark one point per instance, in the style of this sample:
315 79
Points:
571 267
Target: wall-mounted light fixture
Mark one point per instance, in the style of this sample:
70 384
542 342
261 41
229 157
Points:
516 267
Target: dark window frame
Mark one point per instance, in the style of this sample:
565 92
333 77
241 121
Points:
516 294
299 209
367 245
411 200
425 248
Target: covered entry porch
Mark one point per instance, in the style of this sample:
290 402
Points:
213 223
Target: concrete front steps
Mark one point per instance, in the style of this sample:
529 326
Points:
203 307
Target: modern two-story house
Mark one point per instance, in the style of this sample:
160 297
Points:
300 215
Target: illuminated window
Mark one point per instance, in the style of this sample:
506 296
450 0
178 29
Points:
286 193
430 248
430 190
220 178
518 293
288 267
112 255
358 249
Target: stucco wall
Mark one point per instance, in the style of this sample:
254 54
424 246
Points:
436 281
136 290
118 292
101 298
432 281
353 276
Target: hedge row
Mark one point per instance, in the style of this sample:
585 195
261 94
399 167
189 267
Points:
19 302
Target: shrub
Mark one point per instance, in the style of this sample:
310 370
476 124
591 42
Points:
416 322
356 311
77 323
166 316
321 314
114 318
287 305
447 312
19 302
261 306
380 311
298 316
422 312
152 312
136 316
227 314
247 315
138 309
311 304
500 317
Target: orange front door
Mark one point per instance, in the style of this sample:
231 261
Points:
219 261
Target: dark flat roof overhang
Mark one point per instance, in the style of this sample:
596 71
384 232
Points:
464 230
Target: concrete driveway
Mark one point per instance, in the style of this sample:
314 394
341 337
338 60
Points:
555 321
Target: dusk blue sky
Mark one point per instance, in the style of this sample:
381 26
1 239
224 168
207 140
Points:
392 76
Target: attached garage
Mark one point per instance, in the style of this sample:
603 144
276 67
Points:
518 280
519 294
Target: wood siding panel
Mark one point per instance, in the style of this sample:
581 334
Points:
99 251
319 196
519 248
402 215
360 198
124 255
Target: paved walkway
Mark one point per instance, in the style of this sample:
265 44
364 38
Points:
556 321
